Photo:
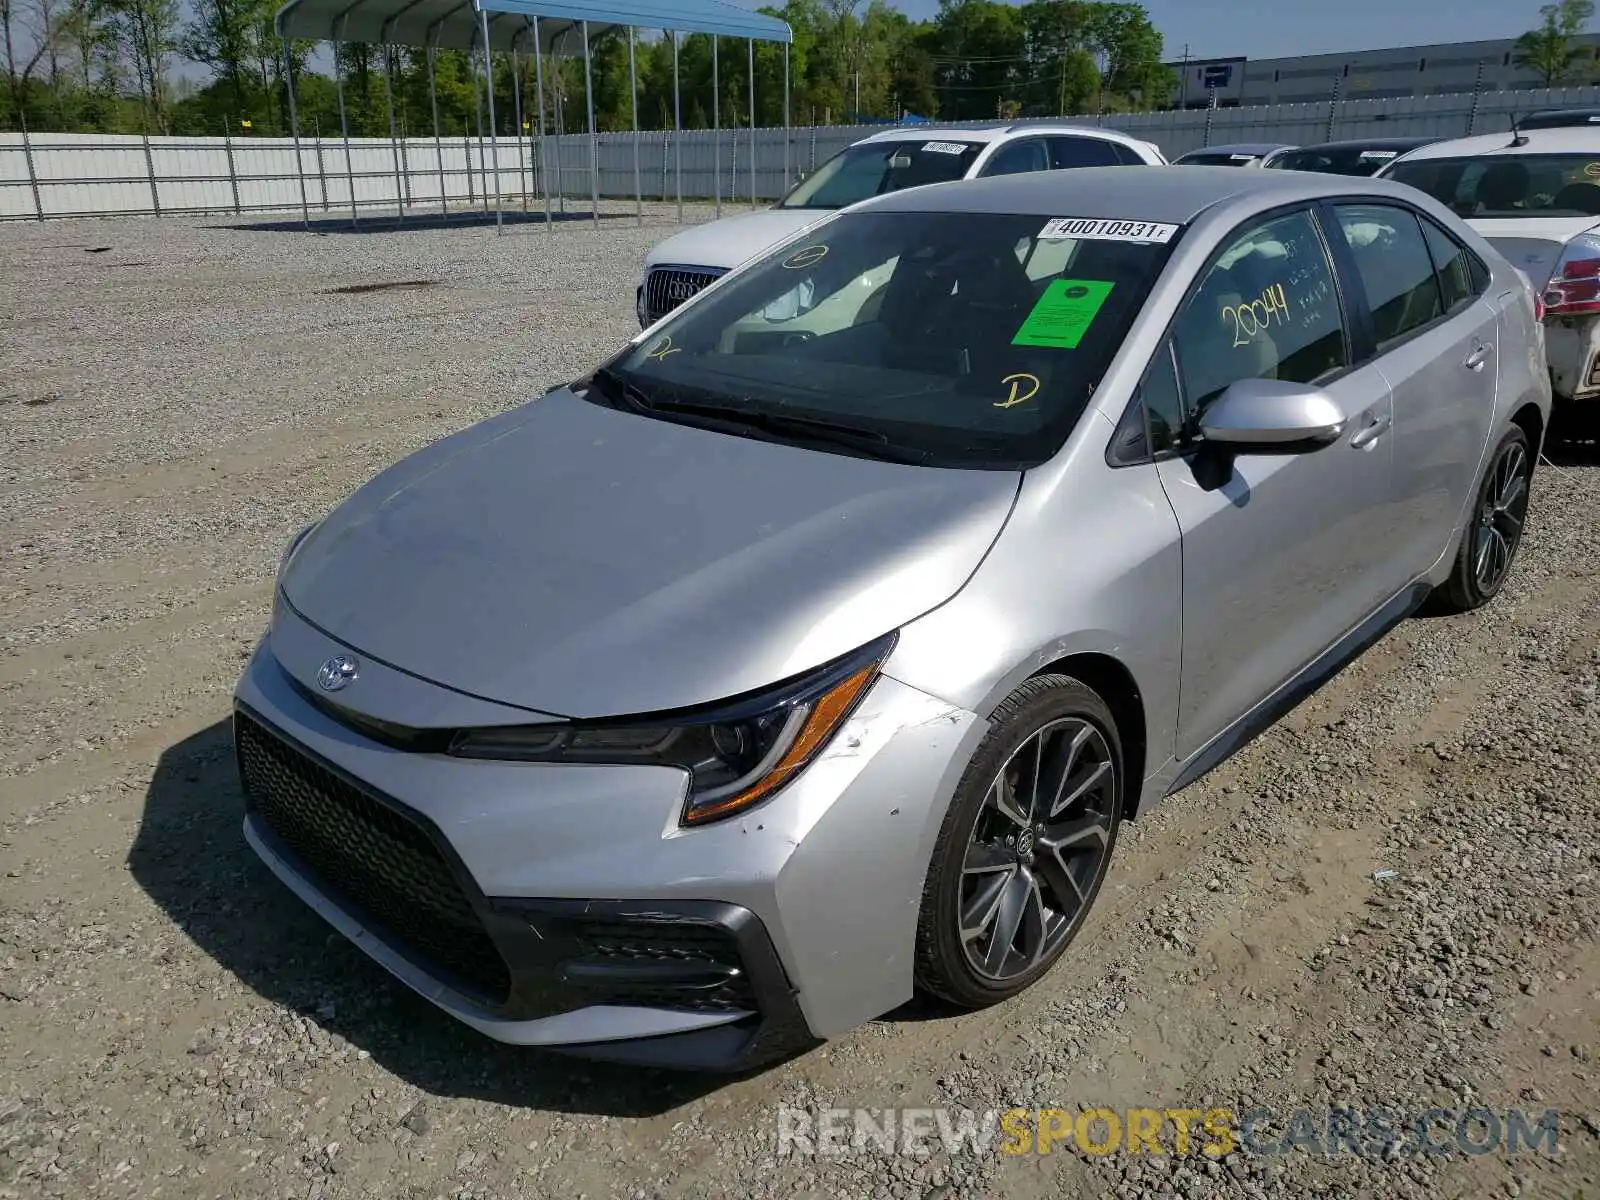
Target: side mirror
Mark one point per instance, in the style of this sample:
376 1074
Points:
1270 416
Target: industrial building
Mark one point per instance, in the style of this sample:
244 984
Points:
1363 74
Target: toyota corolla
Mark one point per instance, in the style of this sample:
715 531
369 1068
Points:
812 649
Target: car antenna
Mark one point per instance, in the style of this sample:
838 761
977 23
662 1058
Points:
1518 138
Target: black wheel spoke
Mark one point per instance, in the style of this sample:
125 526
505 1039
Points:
1004 798
980 911
984 858
1095 776
1064 894
1007 920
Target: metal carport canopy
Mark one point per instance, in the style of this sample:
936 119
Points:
455 24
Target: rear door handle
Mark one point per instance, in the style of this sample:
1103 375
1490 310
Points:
1372 430
1479 356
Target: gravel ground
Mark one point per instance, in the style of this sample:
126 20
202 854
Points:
173 1023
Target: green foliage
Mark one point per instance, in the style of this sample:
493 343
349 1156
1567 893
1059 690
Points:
974 59
1553 49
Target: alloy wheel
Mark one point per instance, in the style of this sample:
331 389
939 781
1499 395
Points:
1500 518
1038 846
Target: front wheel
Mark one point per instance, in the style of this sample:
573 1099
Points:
1494 530
1025 845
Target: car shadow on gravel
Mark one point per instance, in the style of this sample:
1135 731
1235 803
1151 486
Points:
192 860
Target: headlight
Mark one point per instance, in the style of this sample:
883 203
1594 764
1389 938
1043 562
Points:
737 753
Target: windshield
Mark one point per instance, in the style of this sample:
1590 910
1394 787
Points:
877 167
954 339
1506 185
1349 160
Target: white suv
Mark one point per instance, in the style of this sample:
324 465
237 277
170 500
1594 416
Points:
1535 195
885 162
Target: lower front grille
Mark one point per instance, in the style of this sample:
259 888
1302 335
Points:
668 945
372 859
667 287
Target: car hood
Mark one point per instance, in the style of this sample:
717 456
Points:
1532 245
584 562
726 243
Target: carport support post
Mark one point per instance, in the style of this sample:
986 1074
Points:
394 143
716 126
516 101
494 137
594 145
544 157
227 144
33 178
752 44
438 142
633 93
344 127
677 125
786 178
294 129
483 159
150 170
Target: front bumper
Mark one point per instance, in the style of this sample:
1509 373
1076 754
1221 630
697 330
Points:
563 906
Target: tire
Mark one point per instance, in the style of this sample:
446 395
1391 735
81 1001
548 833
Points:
1056 724
1494 529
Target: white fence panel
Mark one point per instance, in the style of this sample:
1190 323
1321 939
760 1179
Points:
51 175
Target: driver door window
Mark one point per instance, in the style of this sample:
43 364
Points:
1267 308
1017 158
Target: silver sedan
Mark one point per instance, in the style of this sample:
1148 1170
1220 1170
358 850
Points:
814 648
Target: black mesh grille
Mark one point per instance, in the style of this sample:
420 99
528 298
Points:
668 287
669 942
372 859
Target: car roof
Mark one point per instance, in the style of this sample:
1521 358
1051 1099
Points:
1168 194
1376 143
1566 140
1000 131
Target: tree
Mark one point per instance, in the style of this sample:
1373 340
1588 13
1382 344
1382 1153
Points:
1553 50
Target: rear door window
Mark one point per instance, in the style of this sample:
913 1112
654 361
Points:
1395 269
1018 158
1067 152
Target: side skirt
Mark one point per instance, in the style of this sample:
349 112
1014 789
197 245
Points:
1311 677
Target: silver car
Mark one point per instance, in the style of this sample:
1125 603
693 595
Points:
813 649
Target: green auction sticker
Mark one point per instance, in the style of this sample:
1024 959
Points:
1063 314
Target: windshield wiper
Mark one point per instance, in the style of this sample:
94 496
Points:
872 442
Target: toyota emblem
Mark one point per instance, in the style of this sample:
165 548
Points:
337 673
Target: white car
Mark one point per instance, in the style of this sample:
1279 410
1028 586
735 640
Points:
1535 195
898 158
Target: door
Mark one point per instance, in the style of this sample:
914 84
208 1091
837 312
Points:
1436 341
1277 557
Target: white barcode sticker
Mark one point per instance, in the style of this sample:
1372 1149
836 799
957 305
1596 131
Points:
1380 154
1099 230
944 148
1242 157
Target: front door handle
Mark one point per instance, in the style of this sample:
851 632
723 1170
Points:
1374 429
1479 356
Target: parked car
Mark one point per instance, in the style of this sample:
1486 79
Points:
815 646
1535 195
1359 156
1241 154
885 162
1558 118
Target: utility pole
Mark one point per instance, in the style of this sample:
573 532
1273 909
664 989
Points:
1183 95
